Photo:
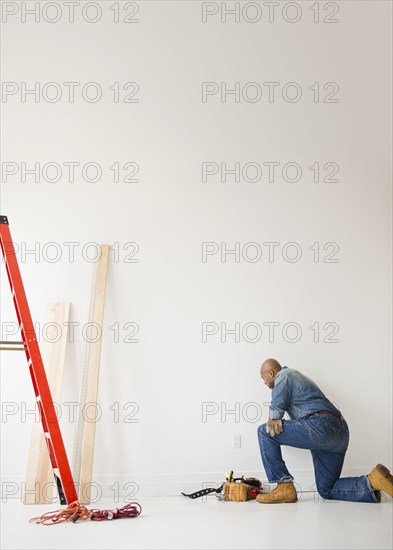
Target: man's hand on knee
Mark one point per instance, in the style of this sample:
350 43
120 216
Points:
274 427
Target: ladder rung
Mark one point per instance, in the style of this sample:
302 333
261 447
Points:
11 345
18 346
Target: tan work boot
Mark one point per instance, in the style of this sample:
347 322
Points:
284 492
381 479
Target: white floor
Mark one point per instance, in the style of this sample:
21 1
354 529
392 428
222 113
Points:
177 522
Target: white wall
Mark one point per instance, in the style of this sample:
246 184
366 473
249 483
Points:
170 212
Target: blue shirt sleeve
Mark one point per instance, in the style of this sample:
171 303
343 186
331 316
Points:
281 397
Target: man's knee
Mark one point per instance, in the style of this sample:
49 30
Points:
325 492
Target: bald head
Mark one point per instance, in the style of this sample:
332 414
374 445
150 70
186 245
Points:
269 369
270 364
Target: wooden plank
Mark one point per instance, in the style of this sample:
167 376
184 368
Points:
39 477
87 451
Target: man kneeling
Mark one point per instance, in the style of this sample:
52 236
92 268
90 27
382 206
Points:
315 424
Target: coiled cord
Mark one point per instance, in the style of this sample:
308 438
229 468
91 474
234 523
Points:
77 511
131 510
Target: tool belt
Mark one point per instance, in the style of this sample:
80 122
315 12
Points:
238 489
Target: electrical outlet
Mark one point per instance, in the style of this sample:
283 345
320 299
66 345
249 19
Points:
236 441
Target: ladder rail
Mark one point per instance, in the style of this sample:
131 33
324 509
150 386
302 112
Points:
53 437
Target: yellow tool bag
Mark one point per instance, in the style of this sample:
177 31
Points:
238 489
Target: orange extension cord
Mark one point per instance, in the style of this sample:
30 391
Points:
77 511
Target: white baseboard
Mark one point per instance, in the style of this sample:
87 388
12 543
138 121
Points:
124 488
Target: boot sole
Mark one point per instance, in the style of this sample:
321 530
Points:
277 501
388 476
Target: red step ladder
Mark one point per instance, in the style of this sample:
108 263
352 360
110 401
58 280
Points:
54 440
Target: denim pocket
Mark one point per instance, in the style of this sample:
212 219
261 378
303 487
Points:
325 429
